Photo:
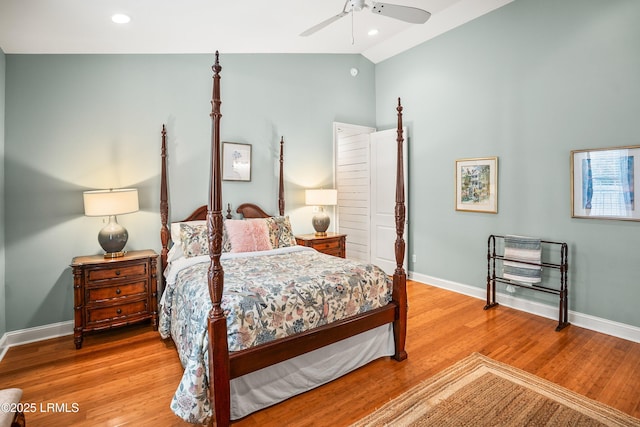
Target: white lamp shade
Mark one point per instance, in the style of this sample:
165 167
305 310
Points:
328 197
110 202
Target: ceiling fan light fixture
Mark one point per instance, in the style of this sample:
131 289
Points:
357 5
409 14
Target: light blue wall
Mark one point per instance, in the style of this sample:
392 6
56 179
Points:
528 83
3 324
77 122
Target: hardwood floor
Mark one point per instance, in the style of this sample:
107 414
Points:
127 376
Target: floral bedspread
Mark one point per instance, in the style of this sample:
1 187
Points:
265 298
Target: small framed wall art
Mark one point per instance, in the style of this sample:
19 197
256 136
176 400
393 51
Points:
236 161
477 185
603 183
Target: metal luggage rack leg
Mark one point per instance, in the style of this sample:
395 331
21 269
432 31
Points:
563 266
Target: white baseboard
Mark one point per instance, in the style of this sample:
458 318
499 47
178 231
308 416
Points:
3 346
609 327
620 330
38 333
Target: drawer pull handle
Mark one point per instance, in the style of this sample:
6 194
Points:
118 291
117 272
119 311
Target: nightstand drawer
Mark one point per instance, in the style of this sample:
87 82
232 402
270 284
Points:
97 274
331 244
333 251
326 245
121 311
123 290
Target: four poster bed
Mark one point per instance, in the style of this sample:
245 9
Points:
289 318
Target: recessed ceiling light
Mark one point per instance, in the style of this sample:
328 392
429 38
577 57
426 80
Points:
373 32
120 18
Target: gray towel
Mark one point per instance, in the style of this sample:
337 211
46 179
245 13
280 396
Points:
527 249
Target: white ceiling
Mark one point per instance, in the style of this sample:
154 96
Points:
230 26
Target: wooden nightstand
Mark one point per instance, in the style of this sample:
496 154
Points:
114 292
331 244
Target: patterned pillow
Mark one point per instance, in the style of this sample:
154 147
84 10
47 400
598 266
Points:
248 235
175 229
194 240
280 232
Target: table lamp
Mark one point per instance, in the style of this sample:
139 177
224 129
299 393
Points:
321 198
113 237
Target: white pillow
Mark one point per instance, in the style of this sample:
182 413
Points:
174 253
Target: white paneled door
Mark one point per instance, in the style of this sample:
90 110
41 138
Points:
384 149
365 179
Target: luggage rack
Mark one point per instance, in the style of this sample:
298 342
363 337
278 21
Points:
563 266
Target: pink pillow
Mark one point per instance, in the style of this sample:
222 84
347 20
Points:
248 235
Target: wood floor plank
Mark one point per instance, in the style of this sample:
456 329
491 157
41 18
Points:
127 376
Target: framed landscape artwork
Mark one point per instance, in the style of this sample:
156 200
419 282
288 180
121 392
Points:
477 185
603 183
236 161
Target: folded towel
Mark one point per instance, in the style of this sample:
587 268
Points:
526 250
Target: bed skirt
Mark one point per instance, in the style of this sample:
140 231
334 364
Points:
268 386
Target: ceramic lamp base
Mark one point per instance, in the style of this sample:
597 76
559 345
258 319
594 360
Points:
321 223
113 238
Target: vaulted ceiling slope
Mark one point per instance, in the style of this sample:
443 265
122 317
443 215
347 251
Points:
230 26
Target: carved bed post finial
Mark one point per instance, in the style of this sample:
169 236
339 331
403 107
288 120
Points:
281 182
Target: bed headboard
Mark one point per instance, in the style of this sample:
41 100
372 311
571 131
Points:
247 210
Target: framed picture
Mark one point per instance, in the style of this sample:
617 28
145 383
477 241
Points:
477 185
236 161
603 183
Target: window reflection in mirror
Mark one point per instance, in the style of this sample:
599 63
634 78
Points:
604 182
607 183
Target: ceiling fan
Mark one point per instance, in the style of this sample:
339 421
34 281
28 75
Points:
409 14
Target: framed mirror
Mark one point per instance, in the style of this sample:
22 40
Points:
603 183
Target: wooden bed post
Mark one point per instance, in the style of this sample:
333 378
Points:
399 275
219 368
281 182
164 204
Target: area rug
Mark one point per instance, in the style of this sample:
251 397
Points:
479 391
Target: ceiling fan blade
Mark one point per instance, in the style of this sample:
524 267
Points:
323 24
409 14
